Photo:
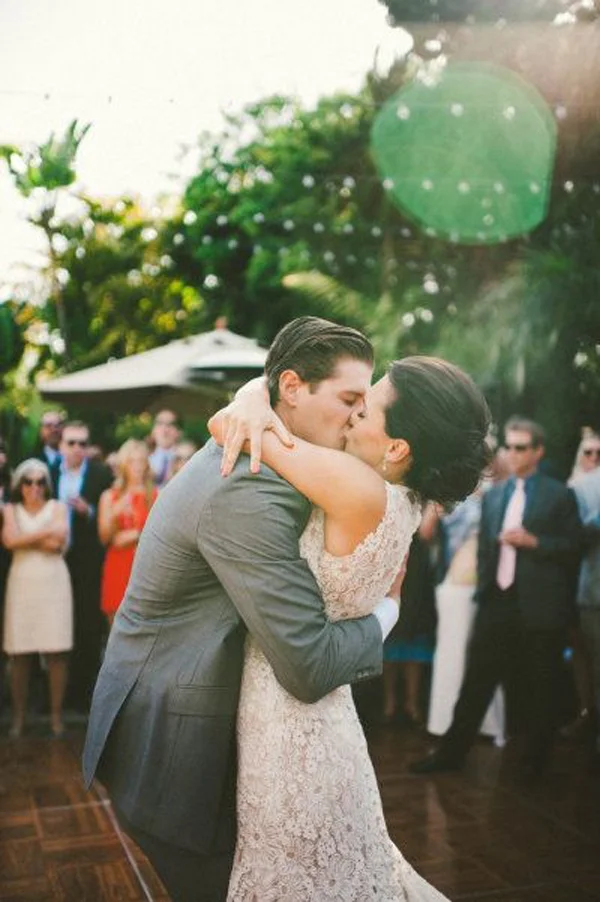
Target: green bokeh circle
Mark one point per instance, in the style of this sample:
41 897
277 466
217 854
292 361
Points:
468 154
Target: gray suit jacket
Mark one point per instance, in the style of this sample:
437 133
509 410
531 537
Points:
216 556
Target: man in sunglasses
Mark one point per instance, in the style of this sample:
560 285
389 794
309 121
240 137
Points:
528 544
79 484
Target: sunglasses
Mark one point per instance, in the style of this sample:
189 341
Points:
165 423
517 447
82 442
27 480
591 452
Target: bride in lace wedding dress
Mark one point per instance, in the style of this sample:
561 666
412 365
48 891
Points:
310 821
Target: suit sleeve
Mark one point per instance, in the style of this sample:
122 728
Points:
566 541
249 537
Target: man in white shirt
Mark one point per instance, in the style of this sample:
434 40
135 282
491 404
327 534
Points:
165 435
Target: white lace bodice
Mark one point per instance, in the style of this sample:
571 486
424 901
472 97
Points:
310 822
351 585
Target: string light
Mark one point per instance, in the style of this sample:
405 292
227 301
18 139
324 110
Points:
561 108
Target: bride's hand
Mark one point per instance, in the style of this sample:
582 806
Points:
245 420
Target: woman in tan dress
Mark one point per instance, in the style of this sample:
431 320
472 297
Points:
38 611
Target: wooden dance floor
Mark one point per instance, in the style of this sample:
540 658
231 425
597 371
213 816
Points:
476 835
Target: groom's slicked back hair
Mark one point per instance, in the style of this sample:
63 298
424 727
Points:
312 347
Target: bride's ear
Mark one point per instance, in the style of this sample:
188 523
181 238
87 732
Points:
290 384
398 452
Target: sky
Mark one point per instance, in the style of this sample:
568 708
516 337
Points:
151 75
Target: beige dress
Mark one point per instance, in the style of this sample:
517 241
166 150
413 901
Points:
38 608
310 821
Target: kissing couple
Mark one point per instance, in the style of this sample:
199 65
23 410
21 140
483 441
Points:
222 723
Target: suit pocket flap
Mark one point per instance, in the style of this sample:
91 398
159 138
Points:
203 701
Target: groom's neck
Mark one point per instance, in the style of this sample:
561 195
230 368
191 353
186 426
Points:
286 416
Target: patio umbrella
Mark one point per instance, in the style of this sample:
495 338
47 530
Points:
192 376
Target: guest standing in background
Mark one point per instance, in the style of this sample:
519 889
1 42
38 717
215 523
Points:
587 492
184 451
587 456
5 480
456 533
38 615
408 649
455 605
80 482
163 438
122 512
530 532
48 449
585 723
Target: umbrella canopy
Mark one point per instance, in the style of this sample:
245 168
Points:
192 375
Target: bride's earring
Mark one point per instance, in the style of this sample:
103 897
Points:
384 467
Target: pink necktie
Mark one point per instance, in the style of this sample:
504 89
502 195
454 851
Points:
507 559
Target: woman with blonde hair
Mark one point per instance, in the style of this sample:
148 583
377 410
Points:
38 615
122 512
585 723
587 457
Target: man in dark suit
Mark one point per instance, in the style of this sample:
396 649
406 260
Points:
216 557
79 483
529 537
48 450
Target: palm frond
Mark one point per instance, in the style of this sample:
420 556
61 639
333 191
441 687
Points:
334 298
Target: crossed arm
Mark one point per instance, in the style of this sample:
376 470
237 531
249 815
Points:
51 538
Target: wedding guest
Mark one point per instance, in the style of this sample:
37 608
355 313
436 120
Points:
80 482
184 451
5 473
5 480
122 513
48 449
408 650
587 456
456 609
585 723
38 615
530 532
164 438
587 492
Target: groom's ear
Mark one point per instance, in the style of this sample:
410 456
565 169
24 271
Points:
290 384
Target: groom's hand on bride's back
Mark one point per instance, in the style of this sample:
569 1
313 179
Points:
241 425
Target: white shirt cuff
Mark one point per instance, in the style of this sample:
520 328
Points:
387 612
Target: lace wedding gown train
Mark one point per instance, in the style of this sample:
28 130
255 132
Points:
310 821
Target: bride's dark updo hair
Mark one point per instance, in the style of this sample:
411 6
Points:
444 417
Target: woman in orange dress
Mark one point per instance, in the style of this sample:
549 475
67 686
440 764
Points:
122 513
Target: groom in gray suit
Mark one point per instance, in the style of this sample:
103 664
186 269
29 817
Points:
219 557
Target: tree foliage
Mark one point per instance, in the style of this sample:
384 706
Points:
406 11
286 216
282 189
43 172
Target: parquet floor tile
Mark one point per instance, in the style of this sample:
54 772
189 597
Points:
476 835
